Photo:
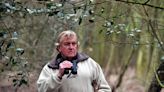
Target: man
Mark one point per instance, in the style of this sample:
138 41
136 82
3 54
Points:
71 71
158 78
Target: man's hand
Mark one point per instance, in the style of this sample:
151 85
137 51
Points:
65 64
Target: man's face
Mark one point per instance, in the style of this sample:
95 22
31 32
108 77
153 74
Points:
68 46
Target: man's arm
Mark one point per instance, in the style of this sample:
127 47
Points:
102 85
48 79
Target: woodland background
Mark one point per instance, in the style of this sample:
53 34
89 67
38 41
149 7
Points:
124 36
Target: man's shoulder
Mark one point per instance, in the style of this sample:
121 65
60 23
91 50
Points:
91 61
82 57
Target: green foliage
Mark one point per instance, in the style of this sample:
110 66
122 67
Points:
28 31
12 58
21 81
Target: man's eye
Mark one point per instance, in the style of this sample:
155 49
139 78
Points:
74 43
66 44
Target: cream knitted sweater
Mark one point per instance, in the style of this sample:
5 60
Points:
87 72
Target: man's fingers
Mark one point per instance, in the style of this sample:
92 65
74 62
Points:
66 64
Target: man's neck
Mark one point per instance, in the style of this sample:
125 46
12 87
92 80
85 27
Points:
68 58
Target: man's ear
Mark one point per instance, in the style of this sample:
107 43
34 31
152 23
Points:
57 48
78 45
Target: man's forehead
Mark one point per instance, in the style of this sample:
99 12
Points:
66 38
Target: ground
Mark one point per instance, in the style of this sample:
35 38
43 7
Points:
129 84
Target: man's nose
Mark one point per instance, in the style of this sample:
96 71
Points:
71 45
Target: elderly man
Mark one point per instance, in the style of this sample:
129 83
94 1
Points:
71 71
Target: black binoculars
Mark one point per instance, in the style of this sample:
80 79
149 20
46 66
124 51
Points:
73 68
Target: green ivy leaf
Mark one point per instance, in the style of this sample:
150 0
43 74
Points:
91 12
13 62
19 51
80 20
3 8
48 5
10 44
14 80
100 31
1 43
1 34
102 9
22 81
91 21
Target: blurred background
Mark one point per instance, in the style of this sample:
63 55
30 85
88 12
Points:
124 36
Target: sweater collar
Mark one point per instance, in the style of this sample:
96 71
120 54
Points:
54 64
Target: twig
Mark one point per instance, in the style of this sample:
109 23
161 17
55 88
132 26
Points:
153 30
145 4
124 70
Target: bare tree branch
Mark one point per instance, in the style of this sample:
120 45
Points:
153 30
145 4
146 1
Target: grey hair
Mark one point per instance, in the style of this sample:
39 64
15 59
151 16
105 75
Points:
66 33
